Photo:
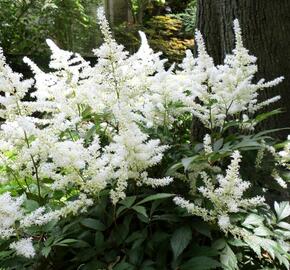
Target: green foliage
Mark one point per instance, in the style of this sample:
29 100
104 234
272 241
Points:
26 24
164 34
146 230
188 17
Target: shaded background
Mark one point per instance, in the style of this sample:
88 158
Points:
72 25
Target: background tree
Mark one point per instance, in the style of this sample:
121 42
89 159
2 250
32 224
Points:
266 28
25 24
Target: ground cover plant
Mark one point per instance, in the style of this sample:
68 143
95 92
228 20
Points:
98 170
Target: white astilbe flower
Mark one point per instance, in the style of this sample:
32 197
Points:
277 157
194 209
207 144
279 179
14 89
284 155
24 247
86 127
41 217
62 145
224 222
226 197
227 90
129 155
154 182
10 212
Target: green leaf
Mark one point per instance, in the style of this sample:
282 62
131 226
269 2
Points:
187 161
218 144
284 225
228 258
202 250
123 266
120 210
264 132
247 143
45 251
6 253
257 243
174 168
99 240
140 209
180 240
155 197
219 244
90 133
93 224
262 231
93 265
128 201
203 228
263 116
66 242
253 220
135 255
282 210
200 263
30 205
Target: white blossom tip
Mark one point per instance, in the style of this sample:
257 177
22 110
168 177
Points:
51 44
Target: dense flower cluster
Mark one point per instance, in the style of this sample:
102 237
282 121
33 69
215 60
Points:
226 197
24 247
86 128
285 154
51 143
226 92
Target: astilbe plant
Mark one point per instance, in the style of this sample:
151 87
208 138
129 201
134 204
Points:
90 130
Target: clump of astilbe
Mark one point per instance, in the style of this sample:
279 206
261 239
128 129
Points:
60 151
92 131
277 158
226 197
226 92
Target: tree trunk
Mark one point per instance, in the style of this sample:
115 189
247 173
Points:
266 32
118 11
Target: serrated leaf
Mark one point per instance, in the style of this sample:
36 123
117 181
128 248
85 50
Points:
229 259
45 251
284 225
253 220
262 231
180 240
237 242
282 210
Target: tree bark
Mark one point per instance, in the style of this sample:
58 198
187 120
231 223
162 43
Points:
118 11
266 33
